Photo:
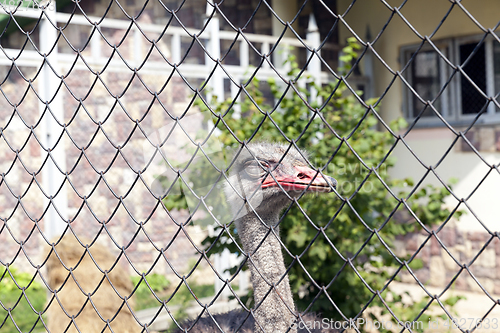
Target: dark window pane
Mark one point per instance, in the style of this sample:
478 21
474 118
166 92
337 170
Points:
472 100
496 65
426 82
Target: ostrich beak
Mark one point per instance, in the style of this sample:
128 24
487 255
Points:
304 178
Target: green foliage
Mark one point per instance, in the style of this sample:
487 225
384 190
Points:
411 308
12 297
336 129
144 297
182 298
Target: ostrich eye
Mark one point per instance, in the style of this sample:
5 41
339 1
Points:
253 169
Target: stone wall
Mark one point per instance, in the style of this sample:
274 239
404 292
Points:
482 138
89 151
439 269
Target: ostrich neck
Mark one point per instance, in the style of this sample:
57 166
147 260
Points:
266 263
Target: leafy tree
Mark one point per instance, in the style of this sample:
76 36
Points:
344 240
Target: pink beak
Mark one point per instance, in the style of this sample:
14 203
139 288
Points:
304 178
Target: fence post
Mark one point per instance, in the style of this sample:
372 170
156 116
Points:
244 63
217 80
138 56
265 51
95 45
48 83
313 39
244 55
216 83
369 71
176 46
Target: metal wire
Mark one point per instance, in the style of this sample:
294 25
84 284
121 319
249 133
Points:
114 130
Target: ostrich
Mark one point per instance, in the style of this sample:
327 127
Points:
257 200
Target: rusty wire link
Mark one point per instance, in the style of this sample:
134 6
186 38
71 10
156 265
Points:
83 177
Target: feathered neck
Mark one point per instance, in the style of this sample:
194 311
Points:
274 307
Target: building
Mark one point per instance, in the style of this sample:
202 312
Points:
414 64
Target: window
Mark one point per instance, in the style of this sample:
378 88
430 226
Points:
455 97
425 80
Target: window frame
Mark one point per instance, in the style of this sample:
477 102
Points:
451 98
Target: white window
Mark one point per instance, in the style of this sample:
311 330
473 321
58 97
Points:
456 97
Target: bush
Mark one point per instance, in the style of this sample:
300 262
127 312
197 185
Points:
12 297
144 297
162 288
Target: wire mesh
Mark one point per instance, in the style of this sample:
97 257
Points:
101 123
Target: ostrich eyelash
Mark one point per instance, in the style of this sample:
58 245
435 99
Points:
254 169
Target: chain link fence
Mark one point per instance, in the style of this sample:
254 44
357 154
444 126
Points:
133 136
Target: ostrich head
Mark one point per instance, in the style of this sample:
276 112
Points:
264 176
